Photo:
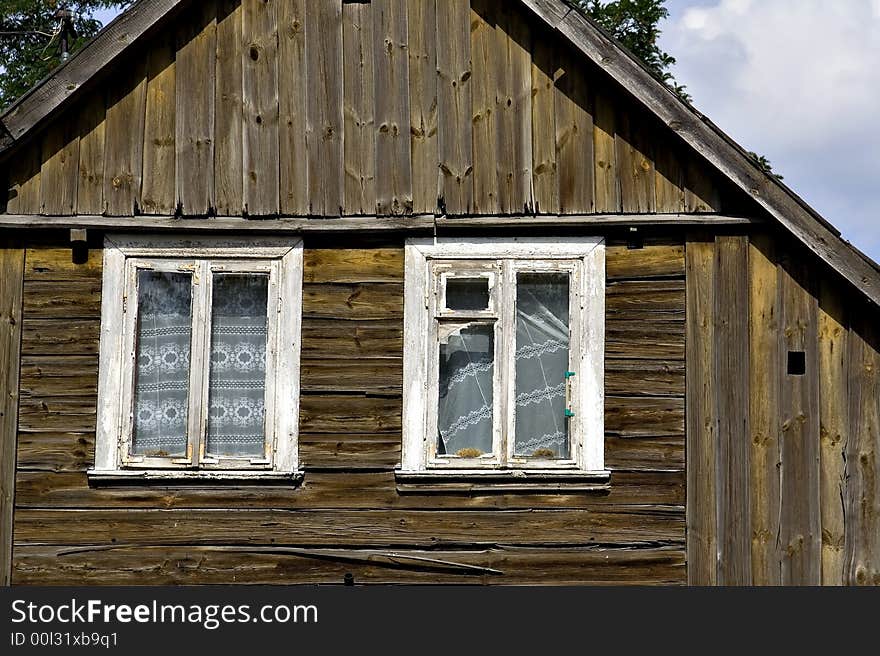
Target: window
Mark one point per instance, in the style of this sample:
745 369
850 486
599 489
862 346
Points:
504 356
199 363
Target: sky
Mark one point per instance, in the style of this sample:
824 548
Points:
797 81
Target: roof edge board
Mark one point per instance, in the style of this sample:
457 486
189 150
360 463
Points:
713 145
65 81
6 139
551 11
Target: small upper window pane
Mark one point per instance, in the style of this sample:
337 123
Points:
237 385
467 294
164 336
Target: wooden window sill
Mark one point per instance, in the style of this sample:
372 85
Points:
189 477
500 482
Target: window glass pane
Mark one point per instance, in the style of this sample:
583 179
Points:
237 386
467 358
467 294
542 344
164 335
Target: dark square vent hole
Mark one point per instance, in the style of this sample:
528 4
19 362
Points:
797 363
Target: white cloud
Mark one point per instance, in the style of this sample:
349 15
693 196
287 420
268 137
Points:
798 82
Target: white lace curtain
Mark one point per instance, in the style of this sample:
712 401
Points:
164 335
467 371
237 367
237 387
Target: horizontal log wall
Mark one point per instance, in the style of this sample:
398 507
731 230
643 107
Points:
349 516
389 107
782 486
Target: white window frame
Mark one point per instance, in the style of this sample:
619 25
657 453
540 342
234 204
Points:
584 258
124 255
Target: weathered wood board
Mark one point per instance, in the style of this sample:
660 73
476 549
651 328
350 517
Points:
262 108
350 433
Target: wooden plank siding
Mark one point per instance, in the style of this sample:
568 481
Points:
260 106
702 437
799 531
293 94
605 165
730 368
228 152
158 190
574 137
484 94
635 165
11 281
455 125
545 178
196 69
210 565
59 171
424 150
124 142
90 188
513 110
783 430
862 509
394 193
329 108
765 424
325 102
350 434
360 109
779 486
834 392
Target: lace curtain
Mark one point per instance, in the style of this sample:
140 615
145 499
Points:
542 344
542 358
164 335
467 370
236 389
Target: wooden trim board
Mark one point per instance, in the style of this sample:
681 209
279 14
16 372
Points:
11 289
426 222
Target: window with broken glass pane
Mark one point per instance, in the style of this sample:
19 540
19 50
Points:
503 370
504 357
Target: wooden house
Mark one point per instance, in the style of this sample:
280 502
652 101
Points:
433 291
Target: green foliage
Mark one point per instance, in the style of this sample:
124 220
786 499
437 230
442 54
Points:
764 164
29 45
636 24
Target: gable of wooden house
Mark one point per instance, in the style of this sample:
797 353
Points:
741 400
